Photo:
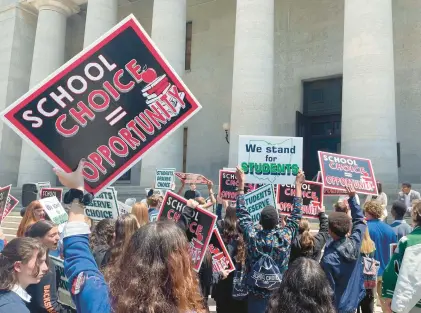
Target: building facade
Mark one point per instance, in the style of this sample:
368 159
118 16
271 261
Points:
344 74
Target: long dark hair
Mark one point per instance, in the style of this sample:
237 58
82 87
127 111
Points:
306 238
19 249
155 273
125 227
304 289
103 233
231 231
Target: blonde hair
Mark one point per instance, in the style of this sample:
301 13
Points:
140 211
307 239
367 245
374 208
153 201
28 218
416 213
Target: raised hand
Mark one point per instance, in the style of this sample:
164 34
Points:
210 184
73 180
192 203
300 178
351 190
239 173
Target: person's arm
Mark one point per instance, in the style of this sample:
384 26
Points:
323 233
358 224
180 191
219 207
408 288
244 218
211 196
88 287
330 270
292 224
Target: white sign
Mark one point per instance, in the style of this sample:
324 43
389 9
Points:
103 205
123 208
164 179
156 192
64 296
270 159
42 185
257 200
54 210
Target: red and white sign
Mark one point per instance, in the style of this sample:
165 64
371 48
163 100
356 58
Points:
110 104
52 192
11 203
190 178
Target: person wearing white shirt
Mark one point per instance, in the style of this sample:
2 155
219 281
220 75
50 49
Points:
407 195
381 198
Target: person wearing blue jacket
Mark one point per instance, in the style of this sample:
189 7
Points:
342 260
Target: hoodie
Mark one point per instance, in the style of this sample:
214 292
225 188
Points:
343 265
319 242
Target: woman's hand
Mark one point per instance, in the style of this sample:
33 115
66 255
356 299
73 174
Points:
299 180
192 203
210 185
72 180
239 173
351 190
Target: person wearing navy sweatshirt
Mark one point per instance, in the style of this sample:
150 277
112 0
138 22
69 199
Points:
342 260
22 262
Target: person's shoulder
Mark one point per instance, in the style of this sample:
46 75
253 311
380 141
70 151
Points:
11 302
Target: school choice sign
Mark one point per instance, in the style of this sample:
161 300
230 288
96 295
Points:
338 171
269 159
110 104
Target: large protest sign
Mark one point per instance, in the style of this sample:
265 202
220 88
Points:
312 198
164 178
51 192
11 203
338 171
103 205
221 259
64 296
190 178
200 229
258 199
4 196
114 101
54 210
270 159
328 191
228 184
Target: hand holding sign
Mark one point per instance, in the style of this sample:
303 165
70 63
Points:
73 180
192 203
351 191
239 173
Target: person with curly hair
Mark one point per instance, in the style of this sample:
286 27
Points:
34 213
155 273
102 238
383 236
304 289
234 242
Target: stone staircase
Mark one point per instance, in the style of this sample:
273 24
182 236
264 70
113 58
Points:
10 224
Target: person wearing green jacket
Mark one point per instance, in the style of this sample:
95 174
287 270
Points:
402 277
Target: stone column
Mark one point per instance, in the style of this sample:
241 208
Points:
368 104
252 88
48 56
169 34
100 18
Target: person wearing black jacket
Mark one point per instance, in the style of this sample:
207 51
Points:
307 245
44 295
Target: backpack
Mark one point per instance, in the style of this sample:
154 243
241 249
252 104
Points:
239 284
265 273
370 269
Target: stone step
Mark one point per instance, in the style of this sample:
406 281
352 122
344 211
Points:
9 231
9 224
9 237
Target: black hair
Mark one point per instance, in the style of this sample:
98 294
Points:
399 209
311 293
39 229
339 223
407 185
379 187
103 233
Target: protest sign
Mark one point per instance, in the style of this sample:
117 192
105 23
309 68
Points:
123 208
51 192
164 178
153 217
338 171
270 159
64 296
4 196
42 185
200 228
114 101
156 192
221 259
190 178
54 210
257 200
312 198
228 184
328 191
392 248
103 205
11 203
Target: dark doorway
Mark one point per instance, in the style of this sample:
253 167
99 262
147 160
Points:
320 122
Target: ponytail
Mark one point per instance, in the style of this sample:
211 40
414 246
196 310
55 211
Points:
306 242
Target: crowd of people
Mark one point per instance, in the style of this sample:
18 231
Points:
138 265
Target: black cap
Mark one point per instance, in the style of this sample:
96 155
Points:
269 218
